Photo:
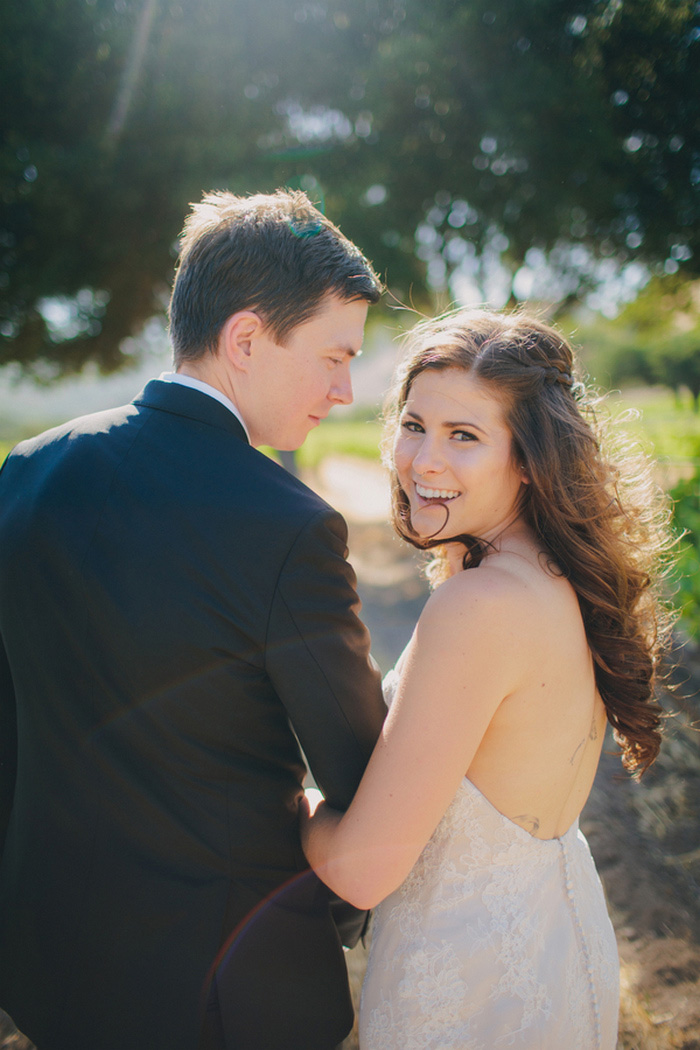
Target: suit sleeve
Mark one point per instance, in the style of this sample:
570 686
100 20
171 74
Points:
8 738
8 744
317 655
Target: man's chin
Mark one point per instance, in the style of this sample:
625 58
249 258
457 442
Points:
293 442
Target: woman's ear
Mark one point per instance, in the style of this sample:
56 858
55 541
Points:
237 337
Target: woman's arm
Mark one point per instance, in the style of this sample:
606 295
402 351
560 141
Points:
465 657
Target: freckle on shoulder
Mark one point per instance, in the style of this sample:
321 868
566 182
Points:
484 589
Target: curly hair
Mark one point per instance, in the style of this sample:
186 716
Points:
598 515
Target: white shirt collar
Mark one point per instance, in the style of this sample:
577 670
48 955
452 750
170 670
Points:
205 388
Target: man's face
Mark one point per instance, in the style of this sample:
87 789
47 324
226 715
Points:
291 388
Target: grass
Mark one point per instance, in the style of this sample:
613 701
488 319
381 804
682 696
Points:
665 428
339 437
345 437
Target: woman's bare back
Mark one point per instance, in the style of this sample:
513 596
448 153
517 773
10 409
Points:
538 758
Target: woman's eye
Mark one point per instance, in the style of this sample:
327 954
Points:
412 426
463 435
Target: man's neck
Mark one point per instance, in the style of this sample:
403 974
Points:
215 377
209 372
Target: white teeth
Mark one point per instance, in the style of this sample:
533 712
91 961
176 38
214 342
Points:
435 493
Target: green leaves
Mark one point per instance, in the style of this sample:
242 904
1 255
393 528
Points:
686 496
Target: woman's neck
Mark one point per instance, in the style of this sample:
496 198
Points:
514 538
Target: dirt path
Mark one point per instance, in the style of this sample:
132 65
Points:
645 837
646 841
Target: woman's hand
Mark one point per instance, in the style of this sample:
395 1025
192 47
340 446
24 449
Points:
317 822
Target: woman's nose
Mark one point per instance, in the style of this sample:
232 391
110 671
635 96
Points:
428 459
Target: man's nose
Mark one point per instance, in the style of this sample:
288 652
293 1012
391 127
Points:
341 391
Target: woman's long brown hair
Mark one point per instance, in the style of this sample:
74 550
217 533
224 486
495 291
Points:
600 519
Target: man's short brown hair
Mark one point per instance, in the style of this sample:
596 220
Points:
275 254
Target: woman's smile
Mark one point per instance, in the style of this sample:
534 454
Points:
454 458
443 495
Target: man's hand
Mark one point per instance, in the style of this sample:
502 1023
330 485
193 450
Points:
313 796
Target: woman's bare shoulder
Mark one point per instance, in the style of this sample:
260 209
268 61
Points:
499 587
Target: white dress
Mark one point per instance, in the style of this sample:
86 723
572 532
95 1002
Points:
496 939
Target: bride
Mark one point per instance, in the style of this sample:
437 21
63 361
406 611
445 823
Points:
492 929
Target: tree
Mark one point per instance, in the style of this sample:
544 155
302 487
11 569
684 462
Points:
440 136
655 339
564 126
677 362
98 164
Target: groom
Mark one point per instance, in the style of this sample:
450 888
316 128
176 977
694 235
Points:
177 622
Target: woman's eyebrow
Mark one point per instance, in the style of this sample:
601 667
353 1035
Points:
448 424
463 423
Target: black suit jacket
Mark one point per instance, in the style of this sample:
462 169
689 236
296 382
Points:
177 616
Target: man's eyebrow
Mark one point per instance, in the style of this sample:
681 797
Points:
343 348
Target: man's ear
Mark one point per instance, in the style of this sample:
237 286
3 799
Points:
238 336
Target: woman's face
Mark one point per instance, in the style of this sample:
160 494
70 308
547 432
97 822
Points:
453 456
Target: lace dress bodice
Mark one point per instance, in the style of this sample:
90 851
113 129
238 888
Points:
495 939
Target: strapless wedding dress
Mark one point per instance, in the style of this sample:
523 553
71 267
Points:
496 939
